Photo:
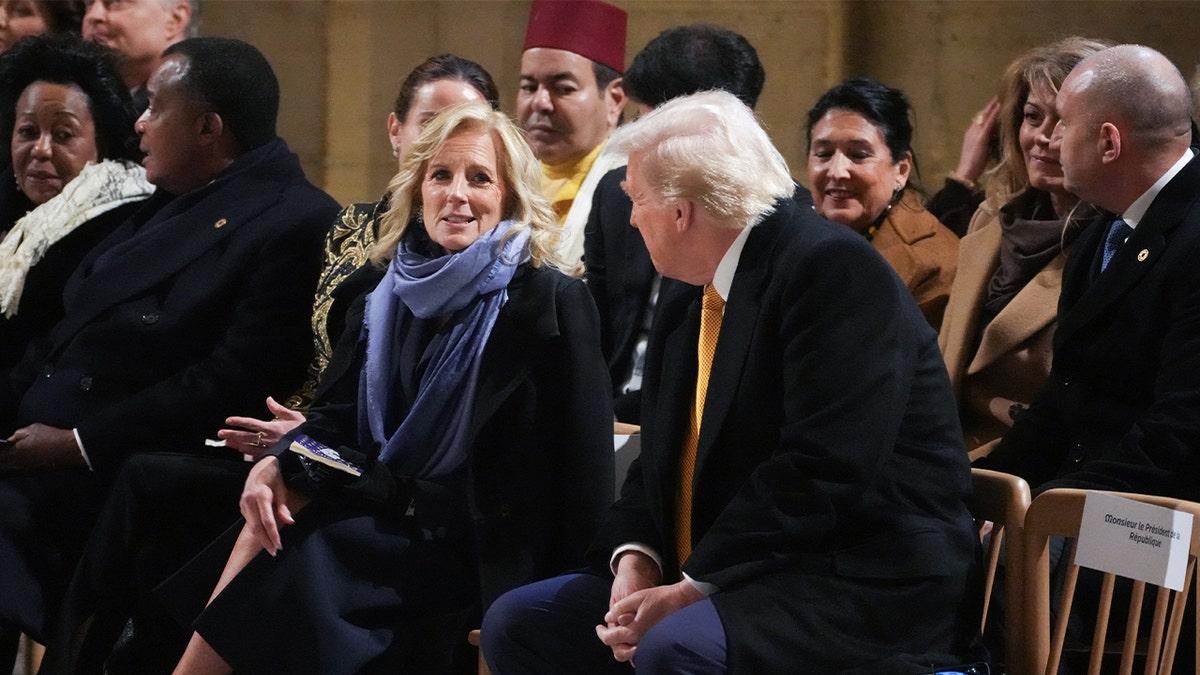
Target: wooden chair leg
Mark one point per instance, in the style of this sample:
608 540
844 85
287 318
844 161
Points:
30 656
473 638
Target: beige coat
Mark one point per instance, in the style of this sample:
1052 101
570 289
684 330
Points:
922 251
997 380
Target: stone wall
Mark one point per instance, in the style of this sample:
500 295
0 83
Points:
339 60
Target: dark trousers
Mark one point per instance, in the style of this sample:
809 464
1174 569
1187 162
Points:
550 627
163 510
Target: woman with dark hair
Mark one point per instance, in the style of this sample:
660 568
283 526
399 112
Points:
19 18
998 329
66 117
860 160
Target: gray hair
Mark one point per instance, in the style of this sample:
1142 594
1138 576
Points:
193 28
711 150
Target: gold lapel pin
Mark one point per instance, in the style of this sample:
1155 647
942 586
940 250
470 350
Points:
220 223
1143 254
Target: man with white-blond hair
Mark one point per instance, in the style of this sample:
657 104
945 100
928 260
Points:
139 31
802 479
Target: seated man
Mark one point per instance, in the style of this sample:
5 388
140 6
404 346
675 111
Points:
1121 408
800 496
195 308
570 100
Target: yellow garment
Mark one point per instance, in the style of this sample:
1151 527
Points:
561 182
712 307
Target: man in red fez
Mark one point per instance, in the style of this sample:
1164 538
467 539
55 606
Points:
570 101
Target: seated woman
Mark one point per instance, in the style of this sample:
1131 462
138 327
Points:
165 508
859 164
997 334
19 18
66 115
434 85
482 420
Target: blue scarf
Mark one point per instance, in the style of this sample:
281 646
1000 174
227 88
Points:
471 285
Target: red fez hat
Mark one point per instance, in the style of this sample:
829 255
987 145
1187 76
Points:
589 28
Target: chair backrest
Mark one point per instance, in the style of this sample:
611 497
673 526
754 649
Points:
1058 513
1001 500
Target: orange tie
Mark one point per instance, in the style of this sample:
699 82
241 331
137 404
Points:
711 310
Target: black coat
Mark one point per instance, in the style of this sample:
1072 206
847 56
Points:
1121 407
185 315
830 480
539 480
41 305
190 311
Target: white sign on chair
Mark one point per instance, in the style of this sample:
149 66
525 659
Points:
1132 539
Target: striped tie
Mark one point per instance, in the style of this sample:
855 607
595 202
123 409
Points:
711 311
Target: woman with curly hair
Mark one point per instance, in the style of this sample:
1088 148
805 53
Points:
67 118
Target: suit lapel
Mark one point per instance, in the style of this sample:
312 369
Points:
502 368
1132 261
158 251
742 311
675 392
979 255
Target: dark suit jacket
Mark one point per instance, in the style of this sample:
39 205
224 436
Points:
192 310
1121 408
185 316
620 276
829 446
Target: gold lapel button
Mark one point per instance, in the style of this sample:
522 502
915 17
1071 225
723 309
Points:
1143 254
220 223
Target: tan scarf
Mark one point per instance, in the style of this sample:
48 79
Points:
97 189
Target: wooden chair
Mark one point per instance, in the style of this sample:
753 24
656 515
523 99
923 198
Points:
473 638
1058 513
1001 499
29 656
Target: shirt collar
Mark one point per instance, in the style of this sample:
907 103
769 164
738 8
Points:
1133 215
723 278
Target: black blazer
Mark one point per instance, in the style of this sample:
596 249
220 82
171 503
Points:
829 445
195 308
619 275
1121 408
185 314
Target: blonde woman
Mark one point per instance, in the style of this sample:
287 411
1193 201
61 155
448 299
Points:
478 406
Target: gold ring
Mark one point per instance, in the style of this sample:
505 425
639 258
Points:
979 119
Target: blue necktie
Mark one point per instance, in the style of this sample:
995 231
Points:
1118 232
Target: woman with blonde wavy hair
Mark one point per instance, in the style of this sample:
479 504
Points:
997 333
476 408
